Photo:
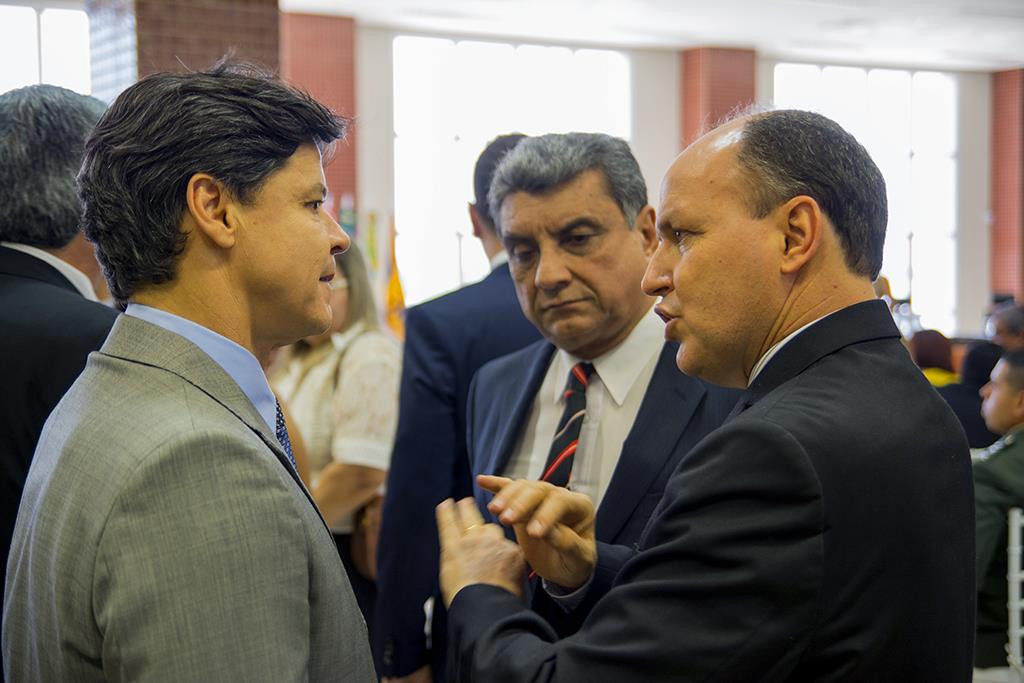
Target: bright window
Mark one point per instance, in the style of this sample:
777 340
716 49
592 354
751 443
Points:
453 97
907 122
40 44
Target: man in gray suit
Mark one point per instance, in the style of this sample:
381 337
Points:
164 534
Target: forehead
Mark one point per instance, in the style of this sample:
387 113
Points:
301 172
585 197
699 177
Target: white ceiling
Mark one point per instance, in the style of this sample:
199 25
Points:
950 34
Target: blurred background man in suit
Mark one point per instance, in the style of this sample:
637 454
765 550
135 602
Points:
49 275
446 341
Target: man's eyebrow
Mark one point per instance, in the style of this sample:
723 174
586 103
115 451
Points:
581 222
515 239
317 189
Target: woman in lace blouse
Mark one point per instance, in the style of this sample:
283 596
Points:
342 390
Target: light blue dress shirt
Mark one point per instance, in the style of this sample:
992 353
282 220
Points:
235 359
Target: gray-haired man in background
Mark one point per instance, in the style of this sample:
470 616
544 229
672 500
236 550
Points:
48 274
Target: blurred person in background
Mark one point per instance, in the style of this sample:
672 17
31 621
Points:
48 274
964 397
1006 327
447 339
933 353
998 486
342 391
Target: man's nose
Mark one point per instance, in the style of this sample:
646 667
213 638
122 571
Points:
552 271
340 240
657 280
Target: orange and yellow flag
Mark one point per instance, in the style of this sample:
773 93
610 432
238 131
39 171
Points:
394 299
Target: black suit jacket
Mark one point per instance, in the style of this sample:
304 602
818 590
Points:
447 340
824 533
48 330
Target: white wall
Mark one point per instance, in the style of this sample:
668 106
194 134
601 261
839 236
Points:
973 286
375 129
657 119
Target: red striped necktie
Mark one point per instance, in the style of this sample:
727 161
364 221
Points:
558 467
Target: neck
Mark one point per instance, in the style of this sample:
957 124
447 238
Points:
203 306
491 244
79 253
809 300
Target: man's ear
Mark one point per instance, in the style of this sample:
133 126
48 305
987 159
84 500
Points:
476 220
208 204
645 228
803 226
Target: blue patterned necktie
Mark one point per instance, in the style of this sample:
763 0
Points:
282 436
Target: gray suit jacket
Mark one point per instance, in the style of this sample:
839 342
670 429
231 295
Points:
162 537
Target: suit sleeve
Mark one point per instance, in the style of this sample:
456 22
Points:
420 476
202 570
725 587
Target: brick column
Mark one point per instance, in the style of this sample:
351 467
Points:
1007 270
714 82
132 38
318 54
196 33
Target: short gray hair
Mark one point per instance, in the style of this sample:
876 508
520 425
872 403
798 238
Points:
1011 316
42 134
541 164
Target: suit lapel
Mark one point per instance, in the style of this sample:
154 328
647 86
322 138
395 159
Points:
650 443
142 342
862 322
521 402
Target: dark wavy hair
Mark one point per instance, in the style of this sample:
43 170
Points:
235 122
42 133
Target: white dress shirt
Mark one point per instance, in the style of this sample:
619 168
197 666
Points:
77 278
614 394
776 347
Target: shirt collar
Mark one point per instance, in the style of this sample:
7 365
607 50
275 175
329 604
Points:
235 359
619 367
760 364
77 278
499 259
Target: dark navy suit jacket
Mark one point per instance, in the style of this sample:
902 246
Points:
677 411
447 340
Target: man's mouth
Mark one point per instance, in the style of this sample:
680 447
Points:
560 304
665 316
